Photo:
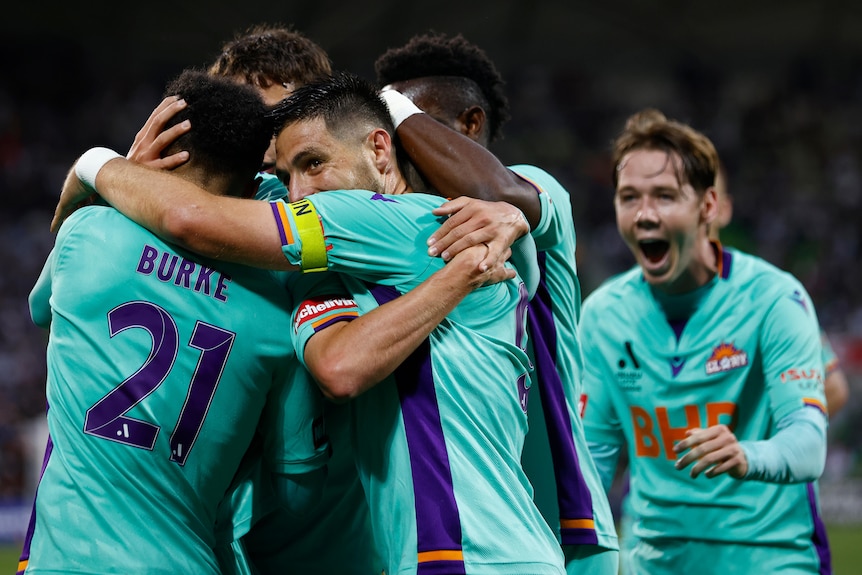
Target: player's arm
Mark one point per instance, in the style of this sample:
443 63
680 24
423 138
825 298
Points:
792 366
39 298
223 228
602 427
794 454
454 164
348 358
835 386
837 390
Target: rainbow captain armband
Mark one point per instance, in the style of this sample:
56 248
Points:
298 222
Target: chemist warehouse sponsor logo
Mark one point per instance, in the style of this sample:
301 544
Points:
312 309
725 357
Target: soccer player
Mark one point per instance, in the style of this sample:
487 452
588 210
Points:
706 363
159 362
438 447
461 92
275 60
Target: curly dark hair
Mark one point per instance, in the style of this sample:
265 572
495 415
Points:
436 54
264 55
231 129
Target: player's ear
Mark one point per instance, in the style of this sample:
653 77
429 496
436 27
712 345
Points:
379 144
471 122
709 206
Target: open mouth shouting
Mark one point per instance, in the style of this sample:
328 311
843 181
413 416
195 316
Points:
654 252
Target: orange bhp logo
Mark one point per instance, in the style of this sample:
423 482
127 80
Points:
725 357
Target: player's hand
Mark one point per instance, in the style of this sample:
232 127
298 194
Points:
472 222
714 450
152 139
469 263
74 195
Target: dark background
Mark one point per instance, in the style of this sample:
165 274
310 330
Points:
776 85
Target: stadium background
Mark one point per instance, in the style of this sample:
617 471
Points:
776 85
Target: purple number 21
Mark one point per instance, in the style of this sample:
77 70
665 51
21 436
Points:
107 419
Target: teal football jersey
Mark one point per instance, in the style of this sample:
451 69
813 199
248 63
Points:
744 351
159 364
437 444
270 188
568 489
333 535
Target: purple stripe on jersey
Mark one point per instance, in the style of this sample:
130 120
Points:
573 495
333 320
28 538
279 223
726 261
819 538
438 523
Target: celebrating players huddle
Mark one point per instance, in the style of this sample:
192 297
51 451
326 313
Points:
247 375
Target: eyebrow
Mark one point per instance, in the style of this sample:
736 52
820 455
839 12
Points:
306 153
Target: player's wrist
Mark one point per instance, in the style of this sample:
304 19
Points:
88 165
400 106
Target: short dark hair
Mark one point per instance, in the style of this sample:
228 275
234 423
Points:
649 129
264 55
231 129
435 54
344 101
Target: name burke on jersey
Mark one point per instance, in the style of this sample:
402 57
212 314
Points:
184 273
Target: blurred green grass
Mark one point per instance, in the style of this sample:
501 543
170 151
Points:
845 540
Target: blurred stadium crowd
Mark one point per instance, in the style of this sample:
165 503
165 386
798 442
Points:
791 142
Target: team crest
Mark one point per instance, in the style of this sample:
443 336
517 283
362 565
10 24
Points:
725 357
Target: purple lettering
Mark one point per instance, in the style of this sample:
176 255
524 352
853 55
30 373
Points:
184 275
204 280
148 260
165 272
223 280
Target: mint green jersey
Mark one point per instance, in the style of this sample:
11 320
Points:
159 364
333 535
437 444
568 489
743 351
270 188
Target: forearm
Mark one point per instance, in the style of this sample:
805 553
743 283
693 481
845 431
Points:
351 357
457 166
795 454
180 212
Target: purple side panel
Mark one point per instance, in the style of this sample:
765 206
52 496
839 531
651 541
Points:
438 523
573 495
28 538
819 538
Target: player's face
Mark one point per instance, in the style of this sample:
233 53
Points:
661 220
310 159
